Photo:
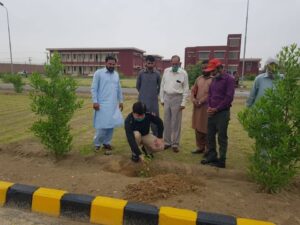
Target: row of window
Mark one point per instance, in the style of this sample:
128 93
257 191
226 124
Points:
217 54
95 57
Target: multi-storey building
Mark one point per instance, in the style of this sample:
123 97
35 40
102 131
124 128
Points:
228 54
84 61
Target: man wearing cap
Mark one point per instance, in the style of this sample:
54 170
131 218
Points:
220 97
174 90
199 95
263 82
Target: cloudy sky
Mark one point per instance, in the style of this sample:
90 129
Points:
163 27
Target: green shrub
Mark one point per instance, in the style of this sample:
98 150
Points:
194 71
54 100
250 77
274 123
14 79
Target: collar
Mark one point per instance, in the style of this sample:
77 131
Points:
106 71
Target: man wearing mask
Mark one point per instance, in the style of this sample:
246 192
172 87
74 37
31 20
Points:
174 90
137 127
263 82
107 102
148 85
199 95
220 97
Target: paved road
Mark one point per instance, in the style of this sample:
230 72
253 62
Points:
130 91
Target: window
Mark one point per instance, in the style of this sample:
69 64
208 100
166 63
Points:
234 42
233 55
74 68
74 56
219 55
203 55
232 68
248 66
68 56
91 56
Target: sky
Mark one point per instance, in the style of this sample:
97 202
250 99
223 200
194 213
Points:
163 27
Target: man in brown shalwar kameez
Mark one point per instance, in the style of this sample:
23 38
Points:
199 97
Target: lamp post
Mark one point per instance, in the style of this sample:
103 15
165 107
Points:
245 42
11 62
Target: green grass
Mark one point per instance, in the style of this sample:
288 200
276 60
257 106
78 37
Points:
87 81
16 118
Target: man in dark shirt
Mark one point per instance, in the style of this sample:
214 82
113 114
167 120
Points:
220 97
148 86
137 126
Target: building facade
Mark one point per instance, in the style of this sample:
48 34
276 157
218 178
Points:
252 66
22 67
85 61
229 54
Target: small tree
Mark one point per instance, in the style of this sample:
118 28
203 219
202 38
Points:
14 79
54 100
194 71
274 123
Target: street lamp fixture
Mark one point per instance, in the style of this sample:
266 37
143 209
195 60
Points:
11 62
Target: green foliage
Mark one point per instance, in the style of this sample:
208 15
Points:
250 77
145 170
14 79
274 123
194 71
54 100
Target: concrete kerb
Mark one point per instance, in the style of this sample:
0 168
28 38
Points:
105 210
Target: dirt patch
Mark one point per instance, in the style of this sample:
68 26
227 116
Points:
159 187
195 187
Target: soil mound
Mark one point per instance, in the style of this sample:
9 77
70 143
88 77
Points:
159 187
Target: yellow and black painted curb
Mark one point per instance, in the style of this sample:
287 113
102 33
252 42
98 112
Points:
105 210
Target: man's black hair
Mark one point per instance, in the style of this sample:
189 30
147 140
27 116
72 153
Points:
205 61
110 57
139 108
150 58
175 56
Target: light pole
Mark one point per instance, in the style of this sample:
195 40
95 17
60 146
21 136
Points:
11 62
245 41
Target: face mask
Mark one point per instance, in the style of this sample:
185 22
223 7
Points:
175 69
110 69
139 119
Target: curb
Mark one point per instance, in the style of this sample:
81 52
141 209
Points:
105 210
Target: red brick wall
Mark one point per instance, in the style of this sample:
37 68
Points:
5 68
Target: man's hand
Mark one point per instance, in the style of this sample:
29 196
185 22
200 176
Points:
182 107
96 106
141 157
211 111
121 106
159 143
196 103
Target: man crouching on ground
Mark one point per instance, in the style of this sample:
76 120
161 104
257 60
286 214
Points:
137 127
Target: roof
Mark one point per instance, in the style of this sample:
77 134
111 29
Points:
251 59
95 49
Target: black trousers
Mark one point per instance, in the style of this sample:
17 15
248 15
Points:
218 124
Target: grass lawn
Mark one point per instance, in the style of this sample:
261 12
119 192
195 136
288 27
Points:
16 119
82 81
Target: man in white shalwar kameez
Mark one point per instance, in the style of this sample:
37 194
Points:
108 103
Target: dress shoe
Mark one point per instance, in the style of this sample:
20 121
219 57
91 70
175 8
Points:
218 164
167 147
208 161
107 146
175 149
197 151
97 149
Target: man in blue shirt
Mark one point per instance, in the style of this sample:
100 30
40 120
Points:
263 82
107 102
